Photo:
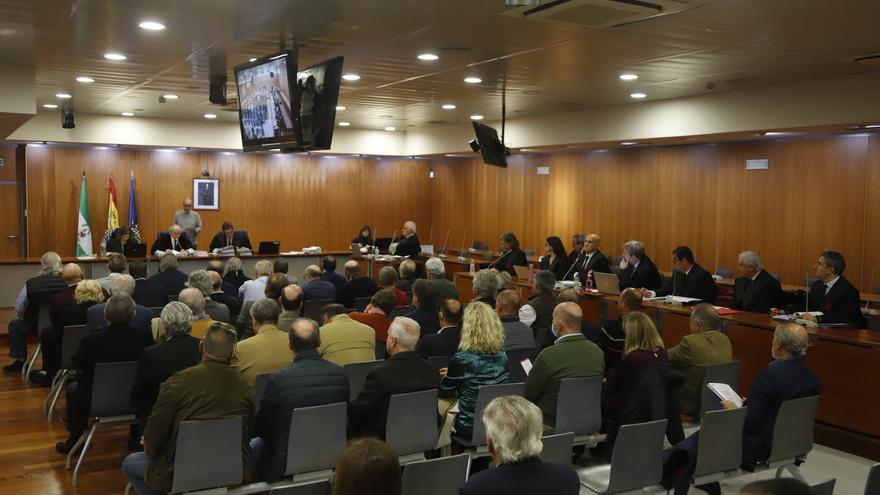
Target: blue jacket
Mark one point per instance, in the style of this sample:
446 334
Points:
468 372
142 318
525 477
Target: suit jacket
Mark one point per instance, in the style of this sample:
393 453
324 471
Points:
691 355
513 257
428 320
334 278
613 340
355 288
142 317
286 319
543 304
156 364
76 314
308 381
444 289
757 295
842 304
571 357
236 279
597 262
208 390
61 300
408 246
172 279
443 343
698 283
401 373
525 477
345 341
318 289
782 380
239 239
266 352
163 243
150 293
115 246
559 266
644 276
623 381
231 302
217 311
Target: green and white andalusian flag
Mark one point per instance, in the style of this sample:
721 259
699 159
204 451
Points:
83 231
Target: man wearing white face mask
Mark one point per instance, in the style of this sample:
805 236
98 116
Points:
570 356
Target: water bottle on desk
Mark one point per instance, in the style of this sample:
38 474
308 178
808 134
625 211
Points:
589 283
473 268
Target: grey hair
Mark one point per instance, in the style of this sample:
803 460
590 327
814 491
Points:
220 340
263 267
50 264
752 259
545 280
123 284
635 248
706 314
795 343
175 228
387 276
434 267
168 261
233 264
410 225
579 238
177 318
313 271
265 311
120 308
504 281
486 283
193 298
406 331
515 426
201 279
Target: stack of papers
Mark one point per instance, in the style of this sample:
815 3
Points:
796 316
312 250
725 392
676 299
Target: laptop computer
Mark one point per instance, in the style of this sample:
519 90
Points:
269 247
138 250
522 272
383 243
607 283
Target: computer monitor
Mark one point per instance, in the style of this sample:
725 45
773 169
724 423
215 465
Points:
317 88
267 104
269 247
492 149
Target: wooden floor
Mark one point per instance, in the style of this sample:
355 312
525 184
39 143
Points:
28 461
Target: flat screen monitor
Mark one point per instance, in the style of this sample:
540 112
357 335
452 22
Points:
492 149
267 102
317 88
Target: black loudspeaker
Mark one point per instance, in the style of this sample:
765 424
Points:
217 92
67 119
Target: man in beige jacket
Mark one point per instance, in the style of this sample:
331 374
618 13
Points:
267 351
344 340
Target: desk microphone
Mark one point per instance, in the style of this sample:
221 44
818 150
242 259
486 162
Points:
499 258
716 259
580 254
871 285
807 292
461 254
445 241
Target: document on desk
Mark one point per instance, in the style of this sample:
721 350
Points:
796 316
725 392
675 299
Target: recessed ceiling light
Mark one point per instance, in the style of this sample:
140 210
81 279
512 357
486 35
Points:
391 128
775 133
351 77
628 143
210 116
85 79
128 114
50 105
344 124
476 117
114 56
473 80
629 77
63 96
252 59
427 57
638 96
170 97
872 126
340 108
448 106
151 26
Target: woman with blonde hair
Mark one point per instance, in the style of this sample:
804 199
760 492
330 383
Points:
643 347
480 360
87 294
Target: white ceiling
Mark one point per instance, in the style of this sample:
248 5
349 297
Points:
548 67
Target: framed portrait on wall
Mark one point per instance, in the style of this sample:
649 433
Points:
206 194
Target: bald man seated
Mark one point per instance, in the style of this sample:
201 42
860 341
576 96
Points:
357 285
590 260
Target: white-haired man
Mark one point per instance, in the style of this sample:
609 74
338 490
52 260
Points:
513 434
174 242
408 244
443 288
254 289
755 289
123 284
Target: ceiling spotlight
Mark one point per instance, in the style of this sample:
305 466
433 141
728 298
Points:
448 106
151 26
128 114
629 143
391 128
351 77
476 117
638 96
340 108
775 133
344 124
114 56
473 80
427 57
85 79
210 116
50 106
63 96
629 77
252 59
170 97
872 126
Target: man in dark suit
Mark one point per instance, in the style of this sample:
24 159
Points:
358 285
179 351
170 276
408 244
577 245
328 265
755 290
147 292
174 241
688 279
71 274
425 301
226 287
404 371
217 295
445 341
636 269
309 381
613 338
513 431
316 288
117 342
407 276
543 301
122 284
590 260
228 236
832 294
511 255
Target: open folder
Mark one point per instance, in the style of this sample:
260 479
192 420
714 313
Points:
725 392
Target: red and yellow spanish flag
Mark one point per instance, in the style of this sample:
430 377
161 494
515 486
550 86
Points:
112 210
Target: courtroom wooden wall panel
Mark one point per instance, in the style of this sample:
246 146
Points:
871 248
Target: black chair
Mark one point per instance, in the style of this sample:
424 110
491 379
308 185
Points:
515 371
313 308
360 303
727 373
557 448
579 409
357 376
320 487
222 439
440 361
69 346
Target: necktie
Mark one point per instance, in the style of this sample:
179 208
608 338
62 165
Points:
174 245
229 241
827 288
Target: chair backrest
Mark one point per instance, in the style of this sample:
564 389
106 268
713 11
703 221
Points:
440 361
443 476
825 487
312 308
260 387
515 371
316 439
411 425
222 438
579 405
793 429
111 388
70 344
717 373
872 485
357 376
637 459
43 319
400 311
157 311
360 303
486 395
320 487
720 447
724 273
557 448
